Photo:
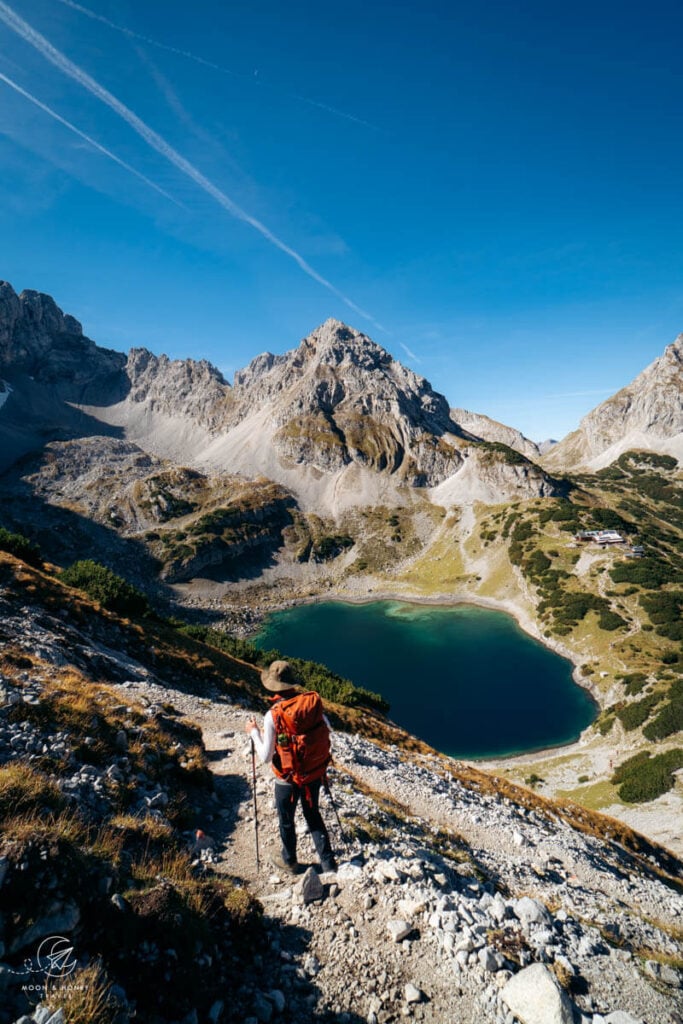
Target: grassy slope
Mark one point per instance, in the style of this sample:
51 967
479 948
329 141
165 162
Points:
168 903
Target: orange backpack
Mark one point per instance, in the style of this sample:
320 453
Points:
302 739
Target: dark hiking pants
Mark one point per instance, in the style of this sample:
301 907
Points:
287 796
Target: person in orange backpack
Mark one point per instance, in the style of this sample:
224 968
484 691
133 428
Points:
296 742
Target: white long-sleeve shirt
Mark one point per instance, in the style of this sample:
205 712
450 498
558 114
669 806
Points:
265 744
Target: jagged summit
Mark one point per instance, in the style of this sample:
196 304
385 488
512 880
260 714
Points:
37 339
647 414
339 370
337 420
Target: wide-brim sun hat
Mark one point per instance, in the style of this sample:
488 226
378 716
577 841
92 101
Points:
278 676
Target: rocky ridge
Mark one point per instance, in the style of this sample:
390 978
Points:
487 429
456 897
337 420
646 414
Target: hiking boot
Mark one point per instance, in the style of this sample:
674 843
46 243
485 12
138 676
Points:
328 865
278 861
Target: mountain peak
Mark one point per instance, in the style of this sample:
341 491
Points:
335 343
647 413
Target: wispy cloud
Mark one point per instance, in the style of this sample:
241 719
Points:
410 353
86 138
164 148
188 55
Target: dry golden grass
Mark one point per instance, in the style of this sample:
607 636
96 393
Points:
31 826
107 844
84 997
23 789
145 826
175 867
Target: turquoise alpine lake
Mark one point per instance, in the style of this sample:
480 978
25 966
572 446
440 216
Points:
466 680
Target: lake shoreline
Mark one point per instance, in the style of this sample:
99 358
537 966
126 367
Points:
521 618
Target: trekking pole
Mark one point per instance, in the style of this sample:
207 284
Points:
326 787
253 780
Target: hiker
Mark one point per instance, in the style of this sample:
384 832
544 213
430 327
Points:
295 741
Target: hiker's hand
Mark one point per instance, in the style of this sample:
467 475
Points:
251 724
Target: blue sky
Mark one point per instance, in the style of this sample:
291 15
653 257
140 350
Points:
491 191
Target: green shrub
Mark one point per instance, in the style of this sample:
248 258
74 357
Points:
665 610
331 546
642 778
666 722
561 512
649 572
607 519
510 455
21 547
633 715
523 531
610 621
631 460
106 587
634 682
537 563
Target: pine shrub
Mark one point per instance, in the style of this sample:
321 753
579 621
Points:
105 586
21 547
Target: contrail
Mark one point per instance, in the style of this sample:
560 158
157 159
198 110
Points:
210 64
410 353
156 142
86 138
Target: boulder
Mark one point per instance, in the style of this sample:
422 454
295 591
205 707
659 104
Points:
61 918
410 908
622 1017
534 996
412 993
399 930
531 911
311 887
349 872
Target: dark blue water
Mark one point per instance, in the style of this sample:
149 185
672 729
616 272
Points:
466 680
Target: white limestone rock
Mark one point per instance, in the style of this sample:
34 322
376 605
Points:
532 912
535 997
398 929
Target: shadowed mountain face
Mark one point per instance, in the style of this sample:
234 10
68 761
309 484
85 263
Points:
38 341
48 368
337 420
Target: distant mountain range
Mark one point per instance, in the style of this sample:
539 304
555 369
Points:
338 421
